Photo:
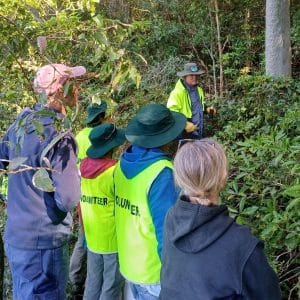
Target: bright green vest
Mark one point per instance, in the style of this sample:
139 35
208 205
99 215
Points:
97 209
179 100
82 139
137 244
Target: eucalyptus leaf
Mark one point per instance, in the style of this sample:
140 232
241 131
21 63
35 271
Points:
16 162
42 181
42 98
66 88
67 123
47 162
38 126
46 113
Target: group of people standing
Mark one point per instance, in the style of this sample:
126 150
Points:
167 240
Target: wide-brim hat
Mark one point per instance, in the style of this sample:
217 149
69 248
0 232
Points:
190 69
154 126
95 110
104 138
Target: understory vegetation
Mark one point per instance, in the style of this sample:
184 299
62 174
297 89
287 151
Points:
133 49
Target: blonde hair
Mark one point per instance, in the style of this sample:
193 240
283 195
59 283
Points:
200 169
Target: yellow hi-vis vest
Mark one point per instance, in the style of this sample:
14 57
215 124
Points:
97 209
179 100
137 243
82 139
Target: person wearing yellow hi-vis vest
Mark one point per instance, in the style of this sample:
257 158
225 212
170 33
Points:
188 98
144 191
104 280
77 271
95 117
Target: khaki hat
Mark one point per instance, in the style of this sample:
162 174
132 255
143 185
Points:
190 69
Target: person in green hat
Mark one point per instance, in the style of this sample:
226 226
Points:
95 116
144 191
77 273
188 98
104 280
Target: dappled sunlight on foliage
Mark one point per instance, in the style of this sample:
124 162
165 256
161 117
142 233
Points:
132 51
260 127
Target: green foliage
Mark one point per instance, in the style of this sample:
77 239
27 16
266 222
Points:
16 163
134 63
107 48
42 181
259 125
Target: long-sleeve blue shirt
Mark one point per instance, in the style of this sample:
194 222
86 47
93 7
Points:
197 109
37 219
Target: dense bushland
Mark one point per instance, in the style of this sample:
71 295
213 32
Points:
259 124
133 49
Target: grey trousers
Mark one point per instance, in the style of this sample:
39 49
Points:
104 281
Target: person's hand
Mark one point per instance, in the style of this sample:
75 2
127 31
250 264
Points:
190 127
211 110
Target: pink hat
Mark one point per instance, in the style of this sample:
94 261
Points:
51 77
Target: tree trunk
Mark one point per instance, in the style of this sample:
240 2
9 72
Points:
220 48
211 53
278 43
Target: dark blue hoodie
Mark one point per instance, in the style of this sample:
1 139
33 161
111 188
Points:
37 219
207 256
162 193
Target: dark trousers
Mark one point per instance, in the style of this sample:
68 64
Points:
78 265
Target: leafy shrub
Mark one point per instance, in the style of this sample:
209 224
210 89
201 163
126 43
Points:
260 127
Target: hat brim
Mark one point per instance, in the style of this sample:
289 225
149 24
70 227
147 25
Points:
135 136
92 117
185 73
77 71
100 151
101 109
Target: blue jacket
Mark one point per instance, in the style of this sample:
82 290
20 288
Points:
37 219
162 193
207 256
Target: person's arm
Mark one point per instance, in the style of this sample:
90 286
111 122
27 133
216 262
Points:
259 281
162 195
65 174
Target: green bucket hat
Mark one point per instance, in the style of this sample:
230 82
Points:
103 138
190 69
154 126
95 110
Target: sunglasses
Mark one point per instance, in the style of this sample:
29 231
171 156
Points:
184 141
